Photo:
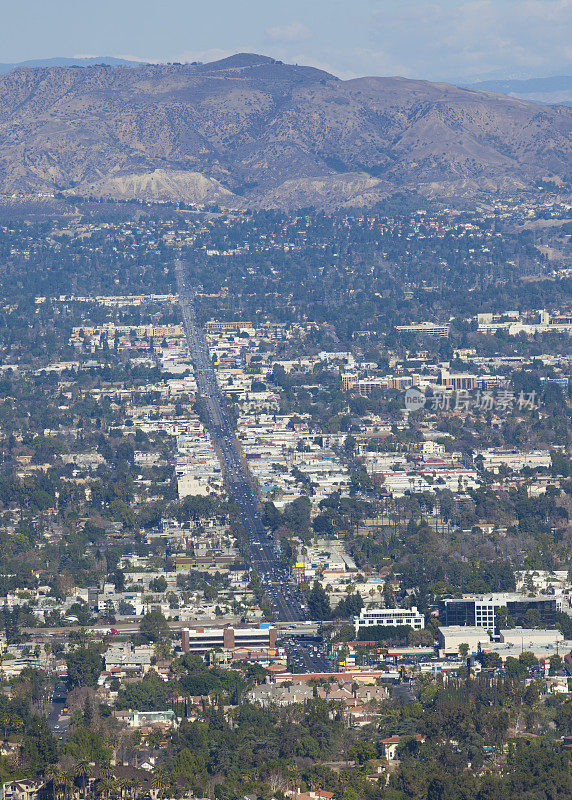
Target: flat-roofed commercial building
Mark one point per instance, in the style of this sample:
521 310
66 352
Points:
541 636
366 385
480 610
375 617
450 638
427 328
201 640
459 381
514 459
222 326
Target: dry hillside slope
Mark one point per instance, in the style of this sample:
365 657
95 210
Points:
251 131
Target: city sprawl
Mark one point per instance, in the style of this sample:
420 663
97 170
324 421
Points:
285 502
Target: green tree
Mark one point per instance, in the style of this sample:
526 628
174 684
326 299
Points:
528 659
318 603
556 665
154 626
150 694
88 745
491 660
84 666
158 584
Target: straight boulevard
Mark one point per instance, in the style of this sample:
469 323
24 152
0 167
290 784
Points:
284 597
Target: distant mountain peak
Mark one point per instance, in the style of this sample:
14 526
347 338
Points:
241 60
550 91
250 130
79 61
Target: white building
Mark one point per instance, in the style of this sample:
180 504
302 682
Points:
398 484
145 718
514 459
427 328
371 617
541 636
452 636
431 448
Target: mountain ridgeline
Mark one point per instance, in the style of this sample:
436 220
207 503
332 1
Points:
249 131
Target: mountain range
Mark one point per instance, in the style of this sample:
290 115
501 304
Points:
250 131
80 61
554 90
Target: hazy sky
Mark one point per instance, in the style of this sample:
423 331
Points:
434 39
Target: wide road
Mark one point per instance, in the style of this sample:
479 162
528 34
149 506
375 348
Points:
53 707
284 597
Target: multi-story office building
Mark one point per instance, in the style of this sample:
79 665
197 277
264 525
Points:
218 326
366 385
201 640
427 328
459 381
480 610
371 617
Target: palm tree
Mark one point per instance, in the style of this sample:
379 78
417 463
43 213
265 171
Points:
159 782
6 721
105 786
52 775
83 770
66 781
134 787
123 786
115 789
105 771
